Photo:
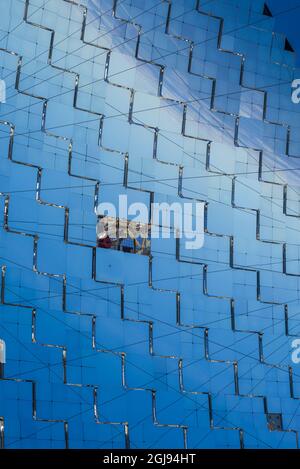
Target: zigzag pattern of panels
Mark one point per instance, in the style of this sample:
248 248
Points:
167 100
